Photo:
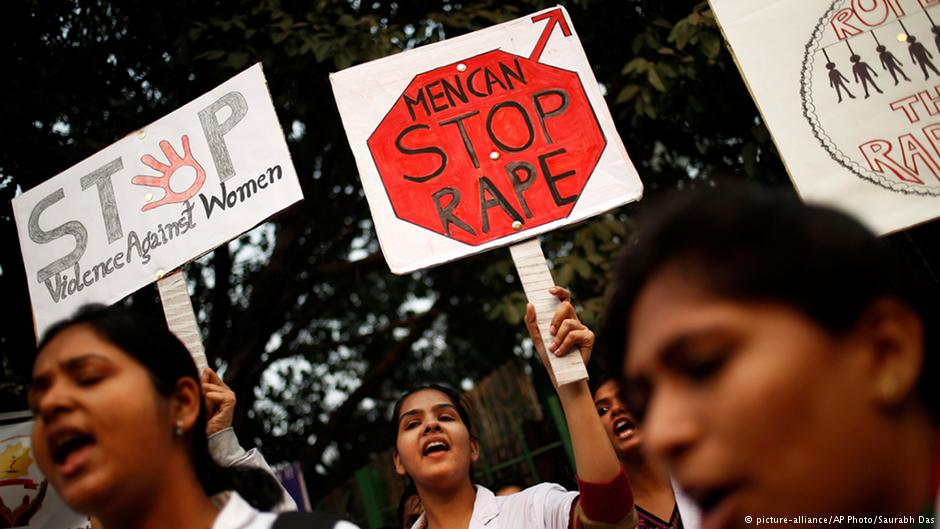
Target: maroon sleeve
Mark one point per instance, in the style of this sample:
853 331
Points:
607 502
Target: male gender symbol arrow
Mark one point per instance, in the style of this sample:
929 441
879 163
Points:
555 16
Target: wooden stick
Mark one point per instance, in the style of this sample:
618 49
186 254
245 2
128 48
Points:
536 280
180 317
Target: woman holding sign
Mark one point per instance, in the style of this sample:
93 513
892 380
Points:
780 362
120 430
435 446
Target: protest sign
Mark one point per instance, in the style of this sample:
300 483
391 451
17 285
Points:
291 476
156 199
26 499
482 141
850 90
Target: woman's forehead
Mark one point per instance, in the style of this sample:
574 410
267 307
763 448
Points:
672 310
608 388
425 399
77 340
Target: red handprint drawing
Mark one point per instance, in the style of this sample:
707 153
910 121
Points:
163 182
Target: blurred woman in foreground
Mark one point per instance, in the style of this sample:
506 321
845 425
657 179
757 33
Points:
779 361
120 430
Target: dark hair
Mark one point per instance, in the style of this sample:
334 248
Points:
752 244
409 492
148 341
596 381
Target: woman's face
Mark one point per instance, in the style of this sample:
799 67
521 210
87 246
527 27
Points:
433 444
618 423
99 422
755 408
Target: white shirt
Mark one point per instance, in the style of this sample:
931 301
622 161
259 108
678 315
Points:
227 452
689 512
237 514
543 506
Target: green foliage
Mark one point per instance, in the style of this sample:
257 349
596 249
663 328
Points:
313 332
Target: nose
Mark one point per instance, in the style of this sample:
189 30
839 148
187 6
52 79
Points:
617 408
670 425
432 426
54 401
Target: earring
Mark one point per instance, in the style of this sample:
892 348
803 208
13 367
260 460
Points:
888 388
179 429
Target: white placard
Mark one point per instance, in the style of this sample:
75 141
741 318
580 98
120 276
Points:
26 496
850 91
156 199
482 140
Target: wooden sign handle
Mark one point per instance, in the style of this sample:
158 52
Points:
536 280
180 317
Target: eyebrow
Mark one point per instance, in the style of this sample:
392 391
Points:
70 365
417 411
78 361
676 349
605 400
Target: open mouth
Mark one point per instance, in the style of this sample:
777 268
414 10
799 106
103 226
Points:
64 445
717 504
624 427
708 499
435 447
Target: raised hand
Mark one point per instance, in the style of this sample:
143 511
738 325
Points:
568 333
220 402
174 163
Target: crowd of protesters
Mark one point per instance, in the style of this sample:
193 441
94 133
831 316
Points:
765 359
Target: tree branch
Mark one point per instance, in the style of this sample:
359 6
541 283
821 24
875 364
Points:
370 382
222 267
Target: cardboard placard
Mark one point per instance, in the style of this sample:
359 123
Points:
850 91
26 497
156 199
482 141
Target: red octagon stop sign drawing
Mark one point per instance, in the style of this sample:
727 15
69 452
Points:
487 146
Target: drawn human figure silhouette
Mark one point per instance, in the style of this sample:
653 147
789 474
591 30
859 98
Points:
20 515
863 72
837 81
936 39
891 63
921 56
